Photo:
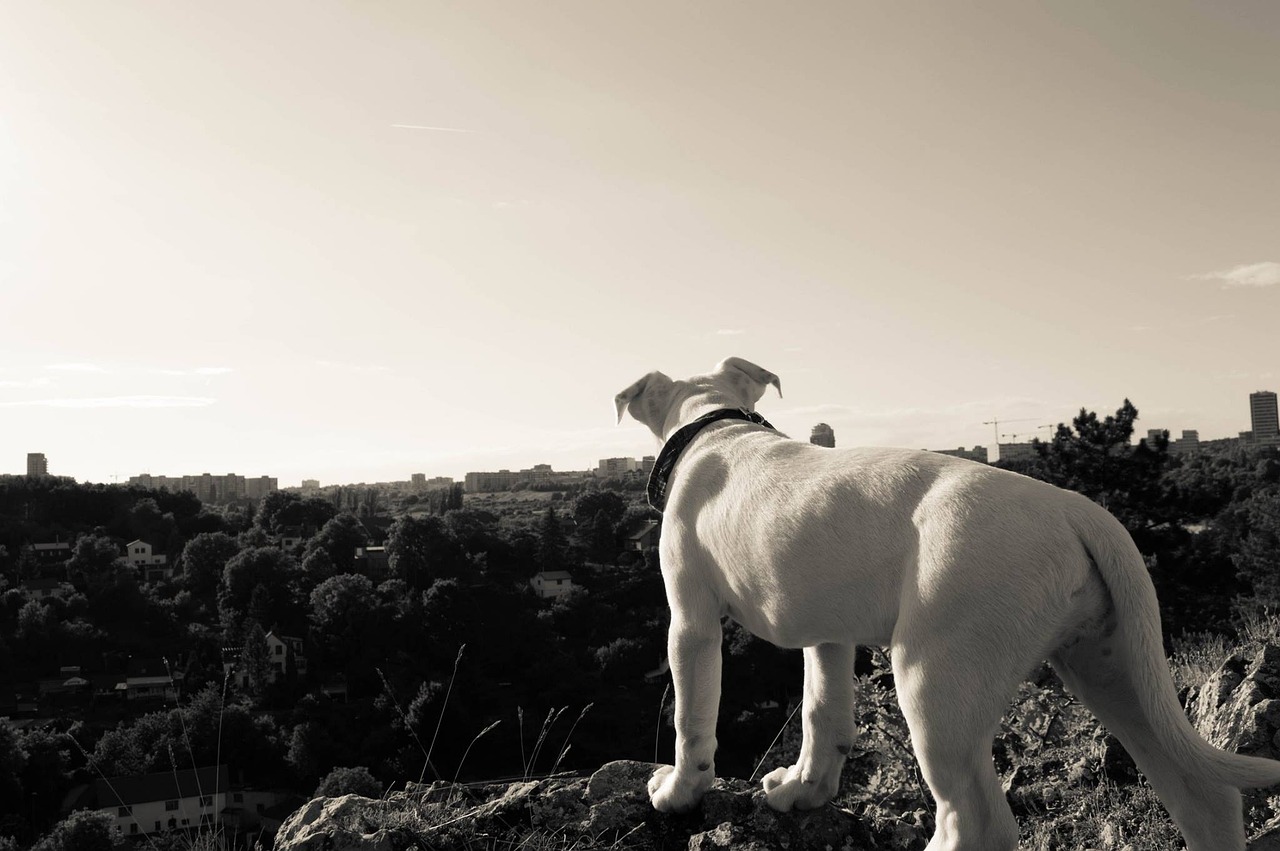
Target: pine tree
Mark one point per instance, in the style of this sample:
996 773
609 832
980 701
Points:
551 542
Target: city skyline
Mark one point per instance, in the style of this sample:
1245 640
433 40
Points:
1261 402
224 250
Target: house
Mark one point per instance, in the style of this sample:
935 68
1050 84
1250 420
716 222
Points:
56 553
283 651
40 590
150 679
647 537
373 562
549 584
151 803
151 566
292 537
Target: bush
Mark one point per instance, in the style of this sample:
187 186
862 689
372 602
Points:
83 830
349 781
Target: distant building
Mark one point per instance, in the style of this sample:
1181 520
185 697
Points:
310 487
1016 451
489 482
150 679
549 584
56 553
209 488
284 651
823 435
647 537
646 464
977 453
1265 418
1189 442
373 561
153 803
616 468
43 589
151 567
538 474
37 464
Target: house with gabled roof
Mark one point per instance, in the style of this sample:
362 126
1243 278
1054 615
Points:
549 584
153 567
152 803
647 536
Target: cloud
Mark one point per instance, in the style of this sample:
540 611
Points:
730 332
1265 274
428 127
117 402
33 382
77 367
201 370
352 367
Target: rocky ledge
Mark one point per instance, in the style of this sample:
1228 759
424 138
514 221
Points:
608 809
1237 708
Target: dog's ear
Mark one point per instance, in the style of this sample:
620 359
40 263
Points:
646 399
751 379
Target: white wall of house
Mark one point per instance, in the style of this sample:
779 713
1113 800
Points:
155 816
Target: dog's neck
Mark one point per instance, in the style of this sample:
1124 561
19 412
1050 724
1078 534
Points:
694 407
664 464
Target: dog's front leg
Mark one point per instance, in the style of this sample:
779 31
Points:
693 650
828 732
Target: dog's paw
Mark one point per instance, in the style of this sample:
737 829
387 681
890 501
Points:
670 794
786 788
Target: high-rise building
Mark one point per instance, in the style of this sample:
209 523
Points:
1264 417
822 435
1189 442
38 465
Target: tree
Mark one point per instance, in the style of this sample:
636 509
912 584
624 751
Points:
344 620
421 551
592 502
1094 457
602 543
83 830
551 542
339 538
13 762
204 558
349 781
96 563
255 659
266 566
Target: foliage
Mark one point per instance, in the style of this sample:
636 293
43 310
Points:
348 781
84 830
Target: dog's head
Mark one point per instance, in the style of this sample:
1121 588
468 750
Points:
658 402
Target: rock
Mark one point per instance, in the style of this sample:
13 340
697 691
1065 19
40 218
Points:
609 807
1238 707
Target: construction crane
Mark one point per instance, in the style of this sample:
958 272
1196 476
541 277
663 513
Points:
995 423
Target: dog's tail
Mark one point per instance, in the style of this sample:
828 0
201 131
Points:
1138 636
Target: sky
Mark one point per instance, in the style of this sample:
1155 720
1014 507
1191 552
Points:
355 241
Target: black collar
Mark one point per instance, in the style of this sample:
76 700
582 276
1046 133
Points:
657 490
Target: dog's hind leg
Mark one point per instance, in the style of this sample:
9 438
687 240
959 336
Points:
828 732
1100 671
953 693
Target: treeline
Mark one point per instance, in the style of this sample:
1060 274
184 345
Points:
419 654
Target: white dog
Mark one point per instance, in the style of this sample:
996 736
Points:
971 576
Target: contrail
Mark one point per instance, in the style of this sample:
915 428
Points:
425 127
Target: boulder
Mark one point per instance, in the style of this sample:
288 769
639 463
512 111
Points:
608 808
1238 707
